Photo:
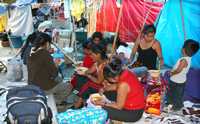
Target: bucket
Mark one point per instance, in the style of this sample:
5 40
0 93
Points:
16 41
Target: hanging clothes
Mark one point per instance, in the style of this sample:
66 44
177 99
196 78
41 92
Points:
20 21
3 22
92 16
67 8
3 8
107 16
23 2
3 17
78 7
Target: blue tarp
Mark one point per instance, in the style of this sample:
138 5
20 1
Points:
170 29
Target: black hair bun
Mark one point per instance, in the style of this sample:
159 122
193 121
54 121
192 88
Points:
116 64
41 38
113 69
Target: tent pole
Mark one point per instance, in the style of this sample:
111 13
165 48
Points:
145 19
117 30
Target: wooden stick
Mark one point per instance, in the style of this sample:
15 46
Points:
145 19
117 30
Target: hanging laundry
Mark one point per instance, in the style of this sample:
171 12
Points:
67 8
107 16
92 16
3 8
23 2
3 22
20 21
3 17
78 7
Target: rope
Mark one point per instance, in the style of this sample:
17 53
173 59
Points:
182 19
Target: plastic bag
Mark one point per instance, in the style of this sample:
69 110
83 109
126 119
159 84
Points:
104 100
15 69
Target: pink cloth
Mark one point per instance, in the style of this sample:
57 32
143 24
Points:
133 17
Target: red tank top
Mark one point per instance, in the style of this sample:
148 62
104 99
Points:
135 98
87 61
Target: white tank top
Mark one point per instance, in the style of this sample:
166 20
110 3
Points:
181 77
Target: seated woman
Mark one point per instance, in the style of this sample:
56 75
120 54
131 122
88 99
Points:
87 59
94 75
88 62
148 49
129 102
26 48
42 71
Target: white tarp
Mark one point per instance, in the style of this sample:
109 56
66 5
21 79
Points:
20 21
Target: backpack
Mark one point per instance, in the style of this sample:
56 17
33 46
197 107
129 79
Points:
27 105
88 115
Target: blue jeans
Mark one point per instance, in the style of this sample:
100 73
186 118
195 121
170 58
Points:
139 71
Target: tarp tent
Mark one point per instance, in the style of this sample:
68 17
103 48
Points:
134 14
177 18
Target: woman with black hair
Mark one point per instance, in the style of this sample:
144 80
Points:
94 75
26 48
129 102
148 49
42 70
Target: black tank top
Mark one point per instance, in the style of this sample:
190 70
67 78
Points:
147 57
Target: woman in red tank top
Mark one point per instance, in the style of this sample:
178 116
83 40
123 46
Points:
129 103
